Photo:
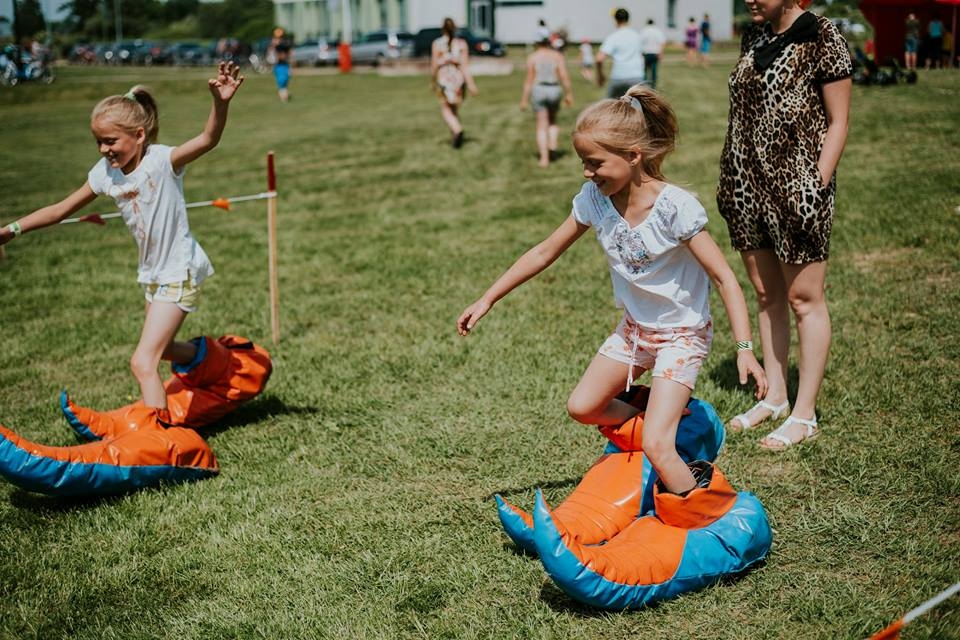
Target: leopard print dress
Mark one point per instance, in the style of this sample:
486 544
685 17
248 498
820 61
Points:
771 193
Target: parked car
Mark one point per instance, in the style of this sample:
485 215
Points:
121 52
315 53
149 53
190 53
479 45
378 46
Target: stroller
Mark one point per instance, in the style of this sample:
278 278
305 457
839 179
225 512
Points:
18 66
867 72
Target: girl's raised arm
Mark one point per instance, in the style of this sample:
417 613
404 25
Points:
222 88
708 254
51 214
527 266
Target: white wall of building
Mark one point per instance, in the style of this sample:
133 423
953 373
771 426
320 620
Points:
430 13
593 19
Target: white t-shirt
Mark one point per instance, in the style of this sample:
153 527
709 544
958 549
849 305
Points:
656 279
652 39
623 47
151 200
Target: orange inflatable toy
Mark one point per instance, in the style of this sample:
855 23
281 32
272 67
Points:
618 487
138 446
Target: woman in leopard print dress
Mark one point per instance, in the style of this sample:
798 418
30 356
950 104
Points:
789 101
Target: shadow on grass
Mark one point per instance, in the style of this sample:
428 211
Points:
726 376
264 407
246 414
555 598
519 551
554 484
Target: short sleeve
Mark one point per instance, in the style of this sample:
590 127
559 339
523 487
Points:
609 45
584 207
97 177
690 218
834 60
164 161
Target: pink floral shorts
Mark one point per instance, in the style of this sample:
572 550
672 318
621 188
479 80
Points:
675 354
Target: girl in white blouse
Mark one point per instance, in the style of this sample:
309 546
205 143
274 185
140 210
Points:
145 180
661 262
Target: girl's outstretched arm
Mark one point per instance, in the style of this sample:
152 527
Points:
223 87
51 214
708 254
528 265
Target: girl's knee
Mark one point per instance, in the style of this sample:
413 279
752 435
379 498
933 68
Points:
581 409
143 366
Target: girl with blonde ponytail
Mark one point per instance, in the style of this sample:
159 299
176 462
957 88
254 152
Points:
661 262
145 180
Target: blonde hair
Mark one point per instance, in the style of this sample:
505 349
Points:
641 119
134 109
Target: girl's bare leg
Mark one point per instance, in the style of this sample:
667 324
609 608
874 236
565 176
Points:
163 320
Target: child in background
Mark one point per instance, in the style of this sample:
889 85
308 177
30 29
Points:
587 61
661 262
690 40
546 84
145 180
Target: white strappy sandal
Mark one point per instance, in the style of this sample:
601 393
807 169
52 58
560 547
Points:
777 435
776 412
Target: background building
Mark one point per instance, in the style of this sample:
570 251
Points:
510 21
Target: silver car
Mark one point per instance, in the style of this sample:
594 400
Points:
378 46
315 53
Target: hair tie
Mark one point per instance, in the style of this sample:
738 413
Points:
633 102
129 95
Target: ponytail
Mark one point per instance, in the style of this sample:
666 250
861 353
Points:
135 109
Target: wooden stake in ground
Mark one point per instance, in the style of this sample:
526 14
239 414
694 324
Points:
272 248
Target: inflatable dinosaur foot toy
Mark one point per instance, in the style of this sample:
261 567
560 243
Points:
618 488
225 373
137 446
687 543
143 457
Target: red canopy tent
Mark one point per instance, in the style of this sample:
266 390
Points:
888 18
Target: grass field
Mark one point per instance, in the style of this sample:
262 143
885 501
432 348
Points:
355 498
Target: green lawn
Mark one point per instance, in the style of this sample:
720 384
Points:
355 498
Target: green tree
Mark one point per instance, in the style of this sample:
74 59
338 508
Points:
246 20
27 19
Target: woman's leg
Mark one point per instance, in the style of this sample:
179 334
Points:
764 271
807 298
163 320
664 408
593 400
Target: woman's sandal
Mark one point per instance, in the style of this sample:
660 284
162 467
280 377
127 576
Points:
745 424
785 443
